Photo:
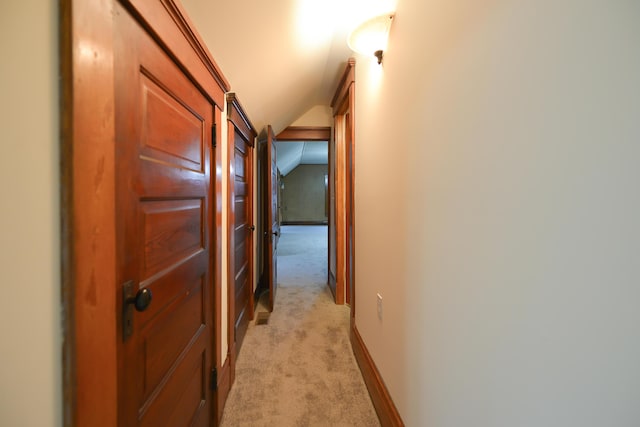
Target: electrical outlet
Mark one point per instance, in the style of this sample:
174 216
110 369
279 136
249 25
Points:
379 306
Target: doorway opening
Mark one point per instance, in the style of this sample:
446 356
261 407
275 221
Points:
304 182
304 199
303 204
337 184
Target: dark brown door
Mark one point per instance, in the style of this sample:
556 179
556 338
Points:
243 256
164 212
272 232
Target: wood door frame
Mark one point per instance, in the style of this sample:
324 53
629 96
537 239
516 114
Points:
88 262
304 133
237 121
291 133
342 102
310 133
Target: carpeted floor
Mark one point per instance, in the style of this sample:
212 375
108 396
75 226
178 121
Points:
299 369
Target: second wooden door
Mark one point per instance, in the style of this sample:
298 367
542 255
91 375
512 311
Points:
242 237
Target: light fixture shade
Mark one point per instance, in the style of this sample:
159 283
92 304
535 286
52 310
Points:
372 35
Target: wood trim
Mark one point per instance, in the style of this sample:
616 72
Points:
304 222
385 408
340 211
224 387
217 248
169 23
88 223
231 241
66 199
313 133
88 191
305 133
236 115
343 105
350 290
348 77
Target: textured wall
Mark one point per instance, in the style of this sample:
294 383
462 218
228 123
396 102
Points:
303 197
497 212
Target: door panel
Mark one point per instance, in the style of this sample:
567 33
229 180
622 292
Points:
163 202
171 231
170 131
273 229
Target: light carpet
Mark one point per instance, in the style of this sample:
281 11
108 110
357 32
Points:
299 369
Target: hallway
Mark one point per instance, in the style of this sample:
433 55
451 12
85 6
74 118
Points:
299 369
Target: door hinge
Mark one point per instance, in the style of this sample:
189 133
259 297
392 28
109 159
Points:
214 139
214 379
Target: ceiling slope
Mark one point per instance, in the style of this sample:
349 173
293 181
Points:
281 57
294 153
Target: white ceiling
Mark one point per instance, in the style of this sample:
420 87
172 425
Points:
292 154
282 57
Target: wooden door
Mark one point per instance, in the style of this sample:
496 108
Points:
164 216
242 199
272 231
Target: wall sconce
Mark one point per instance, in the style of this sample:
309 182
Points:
370 37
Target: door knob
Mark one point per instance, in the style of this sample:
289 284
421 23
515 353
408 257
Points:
276 233
141 300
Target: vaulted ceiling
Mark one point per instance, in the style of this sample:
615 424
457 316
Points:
294 153
282 57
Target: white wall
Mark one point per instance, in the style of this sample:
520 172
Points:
30 344
502 140
319 115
